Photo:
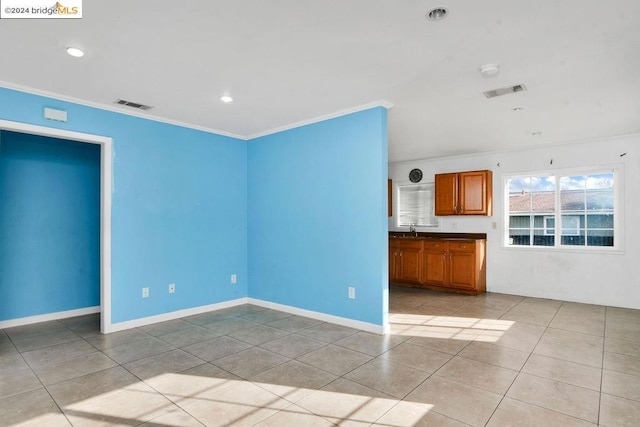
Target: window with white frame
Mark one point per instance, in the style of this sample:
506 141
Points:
582 203
570 225
416 205
549 225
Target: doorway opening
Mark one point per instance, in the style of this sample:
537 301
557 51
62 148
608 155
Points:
106 150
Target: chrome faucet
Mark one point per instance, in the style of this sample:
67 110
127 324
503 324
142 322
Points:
412 230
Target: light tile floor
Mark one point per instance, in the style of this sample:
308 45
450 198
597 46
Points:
451 360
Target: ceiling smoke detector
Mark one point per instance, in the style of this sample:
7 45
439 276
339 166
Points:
504 91
489 70
133 104
437 14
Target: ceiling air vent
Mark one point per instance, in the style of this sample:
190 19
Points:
133 104
504 91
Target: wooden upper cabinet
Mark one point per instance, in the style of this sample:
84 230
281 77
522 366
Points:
464 193
475 190
446 193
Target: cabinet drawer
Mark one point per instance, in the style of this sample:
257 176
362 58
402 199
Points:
462 246
410 244
435 245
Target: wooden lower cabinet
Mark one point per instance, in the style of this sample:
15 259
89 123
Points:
405 260
435 263
463 271
443 264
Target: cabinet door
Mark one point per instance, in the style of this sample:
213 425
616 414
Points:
410 262
393 256
389 198
435 266
462 265
446 194
475 190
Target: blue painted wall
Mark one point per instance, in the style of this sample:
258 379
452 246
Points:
179 210
304 208
49 225
317 216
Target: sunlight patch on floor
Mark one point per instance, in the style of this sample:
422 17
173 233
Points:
220 401
448 327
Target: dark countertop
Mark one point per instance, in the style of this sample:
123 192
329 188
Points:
435 235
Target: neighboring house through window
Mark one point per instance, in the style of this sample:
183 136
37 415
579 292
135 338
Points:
582 203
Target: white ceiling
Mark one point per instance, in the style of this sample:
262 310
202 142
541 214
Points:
290 61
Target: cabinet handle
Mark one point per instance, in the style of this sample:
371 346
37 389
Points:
463 246
400 253
450 256
444 256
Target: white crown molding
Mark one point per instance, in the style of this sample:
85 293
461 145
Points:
115 109
106 107
380 103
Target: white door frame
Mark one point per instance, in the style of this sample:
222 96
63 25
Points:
105 202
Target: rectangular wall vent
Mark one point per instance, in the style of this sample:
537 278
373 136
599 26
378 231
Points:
504 91
133 104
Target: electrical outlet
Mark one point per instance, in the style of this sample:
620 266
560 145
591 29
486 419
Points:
172 288
145 292
234 279
454 225
494 225
352 292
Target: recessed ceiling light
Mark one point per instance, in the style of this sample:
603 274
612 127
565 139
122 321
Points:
489 70
437 14
226 99
517 109
536 133
75 52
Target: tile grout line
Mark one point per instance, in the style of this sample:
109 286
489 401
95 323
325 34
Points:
427 378
173 404
326 344
604 344
559 311
523 365
453 356
44 387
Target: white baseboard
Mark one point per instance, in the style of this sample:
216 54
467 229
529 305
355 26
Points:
116 327
49 316
144 321
342 321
